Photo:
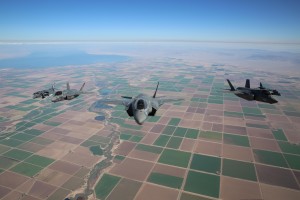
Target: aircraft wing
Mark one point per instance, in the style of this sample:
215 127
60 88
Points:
162 100
124 102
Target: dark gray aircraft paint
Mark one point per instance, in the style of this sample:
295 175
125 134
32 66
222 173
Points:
43 93
67 94
254 94
142 106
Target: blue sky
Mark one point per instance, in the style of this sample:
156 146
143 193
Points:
141 20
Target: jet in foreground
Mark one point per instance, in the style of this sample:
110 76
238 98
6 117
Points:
67 94
44 93
142 106
254 94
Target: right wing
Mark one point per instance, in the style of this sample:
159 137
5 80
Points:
124 102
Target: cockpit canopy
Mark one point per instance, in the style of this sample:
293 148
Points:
141 104
58 93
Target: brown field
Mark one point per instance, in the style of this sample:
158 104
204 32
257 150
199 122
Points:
30 146
143 155
276 176
13 195
213 118
187 144
259 132
207 126
217 127
53 177
25 187
4 191
158 128
124 148
82 157
234 121
187 123
149 138
11 180
132 169
125 190
65 167
59 131
235 129
169 170
150 192
70 140
265 144
210 148
164 120
277 193
234 189
237 152
56 150
41 190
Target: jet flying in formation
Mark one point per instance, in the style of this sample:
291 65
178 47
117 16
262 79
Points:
142 106
43 93
67 94
254 94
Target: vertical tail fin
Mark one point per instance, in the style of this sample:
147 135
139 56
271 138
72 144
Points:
261 86
68 86
82 86
53 86
247 84
154 95
231 86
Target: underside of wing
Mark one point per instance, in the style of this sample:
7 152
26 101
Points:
124 102
162 100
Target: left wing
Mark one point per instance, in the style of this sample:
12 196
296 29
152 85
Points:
161 100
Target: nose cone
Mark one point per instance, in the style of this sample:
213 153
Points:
272 100
140 116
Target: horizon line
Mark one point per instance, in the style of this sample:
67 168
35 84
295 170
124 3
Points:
141 41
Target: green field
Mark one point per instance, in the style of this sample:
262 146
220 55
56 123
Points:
211 135
279 134
6 163
180 132
174 142
239 169
162 140
255 111
166 180
33 132
236 140
269 157
23 137
174 157
206 163
169 130
106 185
187 196
26 169
202 183
39 160
192 133
148 148
287 147
11 142
17 154
174 121
293 161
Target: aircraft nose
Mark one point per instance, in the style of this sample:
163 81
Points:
140 117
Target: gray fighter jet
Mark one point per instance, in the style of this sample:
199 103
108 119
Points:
44 93
254 94
67 94
142 106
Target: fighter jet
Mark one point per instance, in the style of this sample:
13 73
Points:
44 93
67 94
254 94
142 106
